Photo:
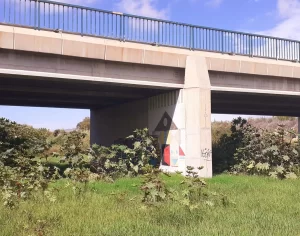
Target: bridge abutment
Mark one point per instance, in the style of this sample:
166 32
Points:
180 119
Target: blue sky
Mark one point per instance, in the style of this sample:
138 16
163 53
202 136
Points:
272 17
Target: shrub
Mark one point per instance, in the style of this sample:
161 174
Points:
120 159
20 173
224 149
267 153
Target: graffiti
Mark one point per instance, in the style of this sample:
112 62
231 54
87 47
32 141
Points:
206 153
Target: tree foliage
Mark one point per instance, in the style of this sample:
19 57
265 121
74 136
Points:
225 147
20 173
84 125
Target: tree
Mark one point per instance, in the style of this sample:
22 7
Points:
84 125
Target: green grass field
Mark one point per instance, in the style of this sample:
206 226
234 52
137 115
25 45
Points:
263 206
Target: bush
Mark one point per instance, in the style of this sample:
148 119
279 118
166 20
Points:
267 153
120 159
20 173
225 147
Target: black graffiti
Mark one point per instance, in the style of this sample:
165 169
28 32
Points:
206 153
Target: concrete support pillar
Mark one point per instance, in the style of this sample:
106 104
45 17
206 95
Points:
197 100
180 119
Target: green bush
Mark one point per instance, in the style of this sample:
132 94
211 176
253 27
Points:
20 173
226 146
120 160
267 153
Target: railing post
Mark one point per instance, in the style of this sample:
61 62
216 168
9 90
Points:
158 40
124 29
39 15
14 11
191 38
279 51
251 46
4 8
9 5
276 49
222 42
35 15
81 21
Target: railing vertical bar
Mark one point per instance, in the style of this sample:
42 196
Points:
44 26
81 23
72 17
139 29
49 8
58 13
95 26
76 14
284 49
104 31
54 22
68 18
124 28
9 11
14 9
20 12
35 14
25 4
86 22
176 34
158 26
63 18
4 10
131 27
99 20
112 25
91 22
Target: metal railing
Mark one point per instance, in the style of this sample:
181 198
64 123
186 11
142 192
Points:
49 15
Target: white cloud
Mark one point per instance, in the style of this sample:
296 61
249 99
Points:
142 7
288 26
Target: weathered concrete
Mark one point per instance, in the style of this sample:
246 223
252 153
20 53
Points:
63 67
24 39
197 99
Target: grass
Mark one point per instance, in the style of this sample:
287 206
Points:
263 206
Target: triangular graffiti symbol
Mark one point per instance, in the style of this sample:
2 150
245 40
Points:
165 123
181 153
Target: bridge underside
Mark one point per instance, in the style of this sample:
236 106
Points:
255 104
41 92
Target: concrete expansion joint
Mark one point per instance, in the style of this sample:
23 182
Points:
143 57
105 49
14 41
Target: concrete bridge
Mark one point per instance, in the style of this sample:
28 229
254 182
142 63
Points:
131 84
